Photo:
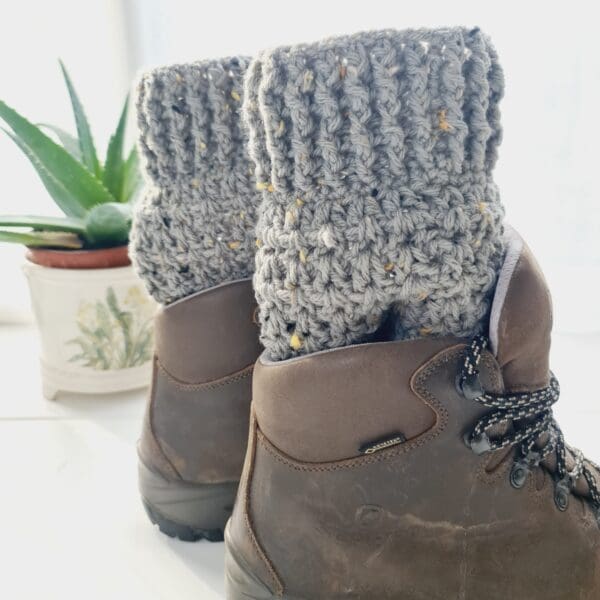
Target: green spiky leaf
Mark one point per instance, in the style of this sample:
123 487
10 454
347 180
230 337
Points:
114 165
46 239
71 185
69 142
42 223
131 177
86 141
67 202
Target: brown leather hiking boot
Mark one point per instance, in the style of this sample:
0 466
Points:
196 427
425 469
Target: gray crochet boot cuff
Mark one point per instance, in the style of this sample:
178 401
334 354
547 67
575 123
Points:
375 154
417 108
194 227
190 128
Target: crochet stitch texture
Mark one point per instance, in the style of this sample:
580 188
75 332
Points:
375 153
194 226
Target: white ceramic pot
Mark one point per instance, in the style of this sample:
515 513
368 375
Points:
96 328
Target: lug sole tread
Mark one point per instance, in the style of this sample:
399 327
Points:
179 531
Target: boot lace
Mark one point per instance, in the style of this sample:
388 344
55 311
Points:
529 425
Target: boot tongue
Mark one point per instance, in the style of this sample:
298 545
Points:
520 329
521 319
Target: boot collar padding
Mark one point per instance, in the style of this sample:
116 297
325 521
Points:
521 319
514 248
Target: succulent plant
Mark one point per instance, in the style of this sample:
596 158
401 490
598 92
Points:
95 197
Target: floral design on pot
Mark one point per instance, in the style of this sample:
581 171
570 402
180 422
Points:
95 327
112 337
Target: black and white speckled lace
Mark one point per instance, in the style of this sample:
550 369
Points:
527 423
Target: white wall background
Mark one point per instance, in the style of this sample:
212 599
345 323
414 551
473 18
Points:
549 163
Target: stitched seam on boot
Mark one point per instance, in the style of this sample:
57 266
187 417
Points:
418 381
275 580
155 439
211 385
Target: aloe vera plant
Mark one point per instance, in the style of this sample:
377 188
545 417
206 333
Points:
94 196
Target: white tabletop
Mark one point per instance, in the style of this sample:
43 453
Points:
71 522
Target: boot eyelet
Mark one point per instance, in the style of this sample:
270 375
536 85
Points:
533 459
519 474
561 495
470 387
480 444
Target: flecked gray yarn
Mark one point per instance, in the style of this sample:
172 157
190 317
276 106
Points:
194 226
375 153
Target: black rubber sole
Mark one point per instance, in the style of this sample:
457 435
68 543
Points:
182 532
184 510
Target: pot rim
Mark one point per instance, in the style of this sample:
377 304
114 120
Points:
99 258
